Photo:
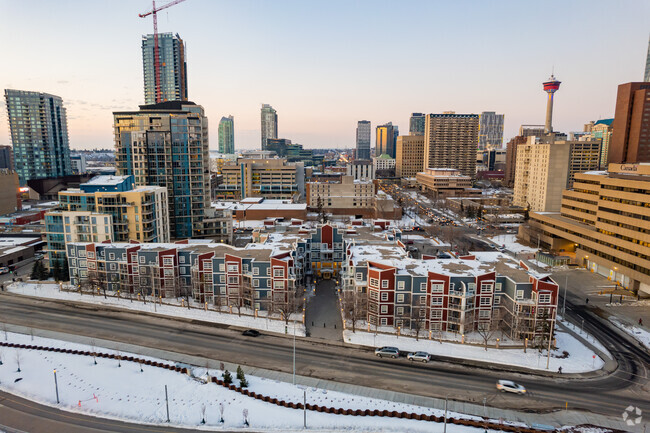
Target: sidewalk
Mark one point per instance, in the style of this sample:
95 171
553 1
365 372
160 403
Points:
559 418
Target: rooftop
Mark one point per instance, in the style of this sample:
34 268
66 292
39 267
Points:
106 180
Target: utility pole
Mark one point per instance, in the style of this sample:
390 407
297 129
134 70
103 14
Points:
304 408
167 403
56 386
294 352
566 284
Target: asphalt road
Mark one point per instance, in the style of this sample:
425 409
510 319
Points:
606 395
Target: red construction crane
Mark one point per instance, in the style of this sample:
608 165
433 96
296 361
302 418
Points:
156 54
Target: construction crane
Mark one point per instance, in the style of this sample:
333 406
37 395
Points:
156 50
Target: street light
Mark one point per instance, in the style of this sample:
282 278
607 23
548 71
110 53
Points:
56 386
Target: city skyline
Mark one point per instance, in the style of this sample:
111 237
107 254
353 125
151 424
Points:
331 85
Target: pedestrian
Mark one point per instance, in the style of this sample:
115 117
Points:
587 301
640 321
559 369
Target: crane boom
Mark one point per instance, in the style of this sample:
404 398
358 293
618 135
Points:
156 50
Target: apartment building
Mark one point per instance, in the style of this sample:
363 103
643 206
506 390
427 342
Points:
268 178
546 166
603 225
450 141
409 157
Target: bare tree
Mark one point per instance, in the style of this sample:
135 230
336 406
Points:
355 307
286 303
18 360
417 318
489 328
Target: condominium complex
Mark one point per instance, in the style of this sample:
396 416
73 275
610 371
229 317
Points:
170 84
450 141
630 139
545 167
417 123
108 208
444 182
490 131
409 155
386 138
269 178
227 135
269 124
166 145
603 225
363 140
39 134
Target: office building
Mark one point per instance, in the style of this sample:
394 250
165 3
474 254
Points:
6 157
227 135
603 225
166 145
384 165
360 170
78 164
293 152
450 141
490 131
268 178
630 139
602 130
9 201
363 140
171 83
446 182
546 166
511 159
269 124
417 123
409 155
386 140
39 134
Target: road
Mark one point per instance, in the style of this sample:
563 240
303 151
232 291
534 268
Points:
607 395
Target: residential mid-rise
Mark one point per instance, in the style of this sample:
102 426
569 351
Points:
39 134
603 225
268 178
363 140
384 165
631 138
417 123
173 69
409 155
490 131
450 141
108 208
547 166
386 139
78 164
227 135
269 124
6 157
166 145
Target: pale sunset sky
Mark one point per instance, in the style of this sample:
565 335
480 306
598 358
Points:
324 65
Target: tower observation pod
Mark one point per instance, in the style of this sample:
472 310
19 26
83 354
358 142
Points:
551 86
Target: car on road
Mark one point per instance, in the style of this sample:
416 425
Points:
510 386
419 356
391 352
251 333
4 270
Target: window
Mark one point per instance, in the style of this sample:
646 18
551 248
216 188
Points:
498 287
72 252
486 300
278 285
112 266
268 271
278 272
384 284
400 285
436 326
423 287
423 313
384 321
545 298
520 294
256 270
142 260
373 295
359 276
384 309
91 254
111 256
497 300
168 261
400 311
73 262
222 278
233 280
437 287
484 314
384 296
83 273
169 273
92 265
222 267
256 282
423 300
374 282
233 268
181 259
207 264
436 314
486 288
471 286
400 298
436 300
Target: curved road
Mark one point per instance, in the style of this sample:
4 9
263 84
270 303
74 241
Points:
606 395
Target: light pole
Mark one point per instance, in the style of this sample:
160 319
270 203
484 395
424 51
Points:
444 428
56 386
566 283
294 352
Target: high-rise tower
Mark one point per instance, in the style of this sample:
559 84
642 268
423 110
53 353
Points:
551 86
490 130
39 134
269 124
227 135
173 68
363 140
386 139
416 123
646 76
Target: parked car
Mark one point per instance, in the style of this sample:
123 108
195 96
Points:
419 356
510 386
4 270
251 333
392 352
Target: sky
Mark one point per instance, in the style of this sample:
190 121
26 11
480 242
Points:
324 65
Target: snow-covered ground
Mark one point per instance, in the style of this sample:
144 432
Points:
636 332
170 307
580 358
511 244
127 393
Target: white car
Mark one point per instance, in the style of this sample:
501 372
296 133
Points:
510 386
392 352
419 356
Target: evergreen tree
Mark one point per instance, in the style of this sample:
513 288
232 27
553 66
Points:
44 274
35 270
65 271
227 377
56 270
240 372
